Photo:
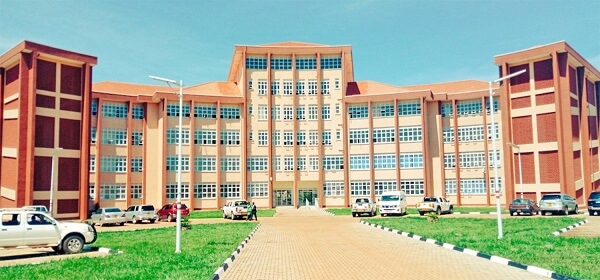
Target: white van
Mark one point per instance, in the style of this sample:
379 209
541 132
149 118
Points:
392 202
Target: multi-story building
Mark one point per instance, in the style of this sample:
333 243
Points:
291 126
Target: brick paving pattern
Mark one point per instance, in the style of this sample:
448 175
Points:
309 244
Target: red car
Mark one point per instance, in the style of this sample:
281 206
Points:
169 212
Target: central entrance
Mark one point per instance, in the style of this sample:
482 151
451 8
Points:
282 198
307 197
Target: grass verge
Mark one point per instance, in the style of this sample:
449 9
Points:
147 254
528 241
413 210
211 214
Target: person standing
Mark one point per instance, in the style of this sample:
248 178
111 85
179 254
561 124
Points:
253 212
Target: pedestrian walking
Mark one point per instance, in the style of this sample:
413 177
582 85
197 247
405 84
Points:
253 212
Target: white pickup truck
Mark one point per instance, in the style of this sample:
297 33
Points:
435 204
25 228
363 205
236 208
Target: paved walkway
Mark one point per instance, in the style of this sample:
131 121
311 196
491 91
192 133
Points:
590 229
309 244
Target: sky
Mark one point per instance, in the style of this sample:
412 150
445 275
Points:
397 42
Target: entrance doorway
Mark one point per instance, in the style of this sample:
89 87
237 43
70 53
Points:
282 198
307 197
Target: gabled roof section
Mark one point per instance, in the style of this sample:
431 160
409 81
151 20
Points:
370 87
28 47
215 89
452 87
121 88
293 44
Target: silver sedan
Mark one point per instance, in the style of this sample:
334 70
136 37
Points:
109 215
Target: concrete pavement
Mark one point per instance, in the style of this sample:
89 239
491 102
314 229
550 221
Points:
309 244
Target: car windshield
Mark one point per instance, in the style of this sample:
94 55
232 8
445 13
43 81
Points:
551 197
147 208
390 197
362 200
520 200
241 203
183 206
429 199
595 195
112 210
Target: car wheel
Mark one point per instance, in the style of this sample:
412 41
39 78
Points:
439 211
232 216
353 214
451 210
224 215
56 249
152 221
72 244
421 213
134 220
169 218
383 215
543 213
576 210
122 224
512 213
566 211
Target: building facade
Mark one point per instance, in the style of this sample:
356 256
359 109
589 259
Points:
291 126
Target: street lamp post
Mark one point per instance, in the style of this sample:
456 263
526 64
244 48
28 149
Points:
180 140
496 186
50 208
520 165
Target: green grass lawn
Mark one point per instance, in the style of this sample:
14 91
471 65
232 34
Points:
148 254
210 214
528 241
413 210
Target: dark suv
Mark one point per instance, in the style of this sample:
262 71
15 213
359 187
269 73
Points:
594 203
169 212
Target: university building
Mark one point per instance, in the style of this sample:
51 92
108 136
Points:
291 126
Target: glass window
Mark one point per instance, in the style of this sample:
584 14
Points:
358 111
94 107
114 136
333 189
138 112
331 63
228 112
205 163
114 164
300 113
92 163
411 160
409 108
263 138
306 63
312 87
381 110
173 110
263 113
313 112
205 190
256 62
326 112
205 111
360 162
288 112
360 188
359 136
262 87
410 134
301 138
276 138
450 186
413 187
325 86
447 110
464 108
314 163
114 110
230 137
113 191
281 63
136 164
230 190
171 190
382 135
288 163
384 161
301 163
326 137
230 163
205 137
136 191
313 138
384 186
258 189
300 87
172 163
137 138
257 164
287 87
173 136
275 87
333 163
275 113
288 138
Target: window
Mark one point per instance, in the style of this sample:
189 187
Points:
92 163
331 63
263 138
360 188
205 137
173 110
358 111
277 163
205 190
230 190
205 163
288 163
333 189
173 136
384 186
382 135
449 161
256 63
137 138
263 113
450 186
249 83
495 130
337 108
360 162
337 83
383 110
301 163
250 111
288 138
338 134
384 161
114 136
359 136
313 112
171 191
114 191
413 187
275 113
287 87
409 108
136 191
93 135
276 138
138 112
136 164
471 159
172 163
313 138
448 133
230 137
300 87
257 164
312 87
491 157
447 110
313 163
94 107
205 111
230 163
300 113
333 163
288 113
472 186
325 87
326 136
258 189
116 164
326 112
114 110
411 160
92 191
410 134
301 138
275 87
487 105
228 112
281 63
262 87
470 133
465 108
306 63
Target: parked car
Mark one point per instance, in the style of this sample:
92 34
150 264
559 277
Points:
169 212
558 203
236 208
594 203
435 204
22 227
109 215
140 213
523 206
393 202
363 205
